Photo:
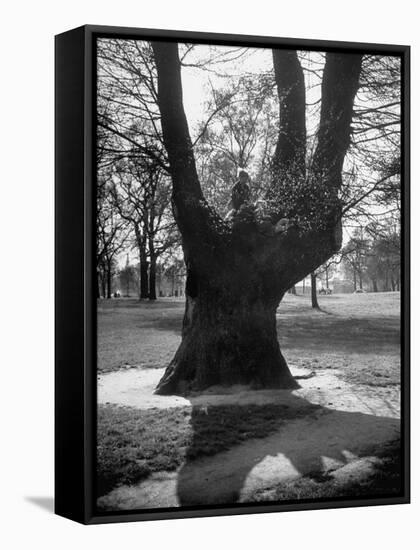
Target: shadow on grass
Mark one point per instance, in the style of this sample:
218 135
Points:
321 332
322 440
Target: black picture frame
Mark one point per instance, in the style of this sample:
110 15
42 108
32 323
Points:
75 298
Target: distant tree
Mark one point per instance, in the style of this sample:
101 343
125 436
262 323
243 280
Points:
327 270
175 272
314 297
127 276
355 254
384 261
111 237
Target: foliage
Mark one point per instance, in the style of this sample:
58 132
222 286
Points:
373 255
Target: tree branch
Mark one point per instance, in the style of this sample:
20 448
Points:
195 219
289 157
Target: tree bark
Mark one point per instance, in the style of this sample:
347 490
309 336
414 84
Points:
289 156
144 273
109 280
314 297
143 264
228 337
237 274
103 284
152 275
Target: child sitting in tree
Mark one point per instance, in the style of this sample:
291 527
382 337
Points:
240 194
240 202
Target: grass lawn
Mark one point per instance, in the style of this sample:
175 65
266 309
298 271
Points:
357 334
144 333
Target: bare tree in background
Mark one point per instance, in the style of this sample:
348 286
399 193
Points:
111 237
141 195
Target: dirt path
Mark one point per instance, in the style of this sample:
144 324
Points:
134 388
340 438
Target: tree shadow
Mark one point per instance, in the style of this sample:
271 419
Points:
309 442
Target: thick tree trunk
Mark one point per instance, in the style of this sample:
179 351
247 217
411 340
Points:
314 297
374 285
227 338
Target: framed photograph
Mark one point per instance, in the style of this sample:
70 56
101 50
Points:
232 274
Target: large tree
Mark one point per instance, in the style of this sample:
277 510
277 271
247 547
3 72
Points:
238 271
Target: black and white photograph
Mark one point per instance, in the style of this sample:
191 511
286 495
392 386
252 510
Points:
248 274
210 275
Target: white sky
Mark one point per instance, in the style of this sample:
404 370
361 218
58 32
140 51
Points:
196 81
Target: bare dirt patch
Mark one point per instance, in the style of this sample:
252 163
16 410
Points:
134 388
